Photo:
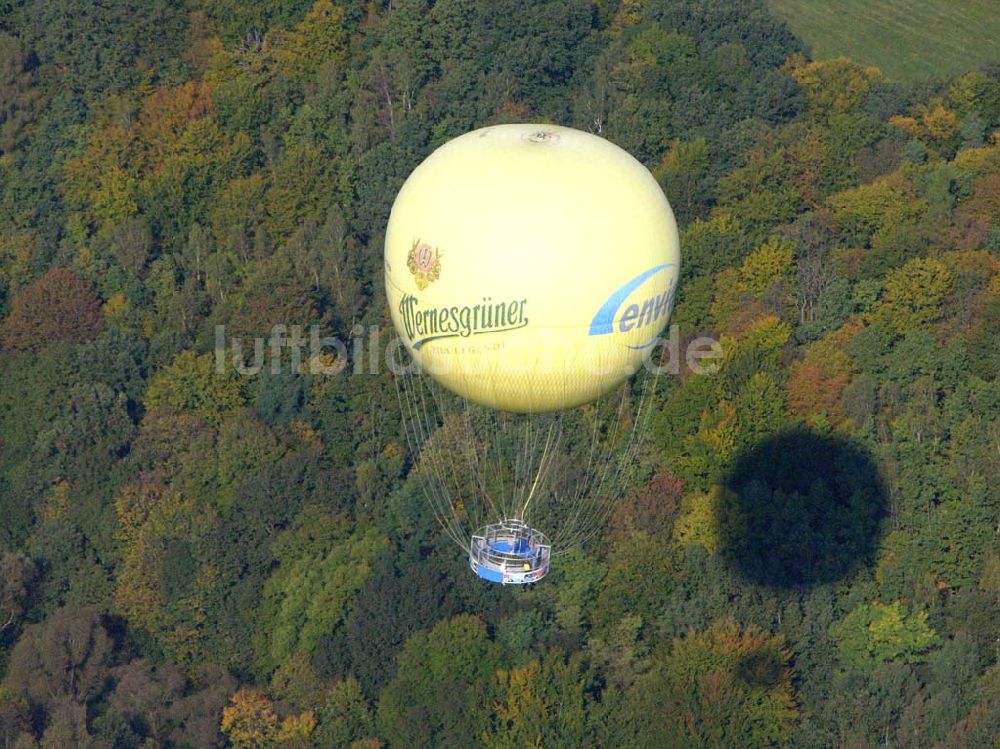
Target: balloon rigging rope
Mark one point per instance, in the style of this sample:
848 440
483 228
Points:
415 438
544 464
470 452
439 456
507 480
598 509
493 482
419 424
588 493
640 426
581 485
439 489
629 457
466 444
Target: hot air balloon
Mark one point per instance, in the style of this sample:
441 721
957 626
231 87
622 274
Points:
530 271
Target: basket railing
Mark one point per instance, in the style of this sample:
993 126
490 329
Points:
513 533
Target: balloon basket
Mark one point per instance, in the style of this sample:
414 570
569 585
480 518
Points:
510 553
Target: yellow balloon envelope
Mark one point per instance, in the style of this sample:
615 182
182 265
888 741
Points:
530 268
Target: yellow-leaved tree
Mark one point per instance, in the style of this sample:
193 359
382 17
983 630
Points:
251 722
832 87
914 294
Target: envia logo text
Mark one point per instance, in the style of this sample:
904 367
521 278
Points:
638 314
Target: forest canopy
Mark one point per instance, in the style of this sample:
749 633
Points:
808 553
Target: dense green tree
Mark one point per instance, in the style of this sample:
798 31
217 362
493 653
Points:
101 49
390 608
20 97
345 718
322 567
913 294
638 580
17 574
190 384
875 633
434 700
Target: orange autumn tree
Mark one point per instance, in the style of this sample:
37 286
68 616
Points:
814 392
59 306
651 508
817 382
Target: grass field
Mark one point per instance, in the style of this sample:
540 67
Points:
907 39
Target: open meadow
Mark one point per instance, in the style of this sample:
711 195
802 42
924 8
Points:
907 39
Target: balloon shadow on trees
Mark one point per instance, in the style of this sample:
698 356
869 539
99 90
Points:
801 509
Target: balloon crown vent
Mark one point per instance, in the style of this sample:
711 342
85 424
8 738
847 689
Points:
541 136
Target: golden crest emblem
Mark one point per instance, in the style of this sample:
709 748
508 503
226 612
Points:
424 263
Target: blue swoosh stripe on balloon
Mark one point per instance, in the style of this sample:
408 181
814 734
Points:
604 321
